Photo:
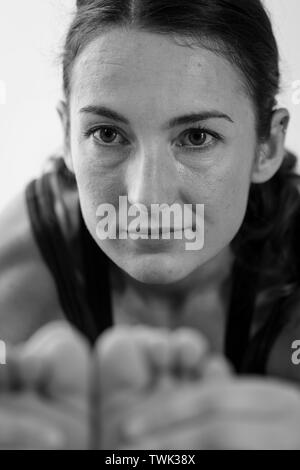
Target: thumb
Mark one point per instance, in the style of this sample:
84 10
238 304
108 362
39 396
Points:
126 364
120 362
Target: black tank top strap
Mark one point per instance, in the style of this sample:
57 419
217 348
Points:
258 352
256 358
97 282
240 313
59 231
250 354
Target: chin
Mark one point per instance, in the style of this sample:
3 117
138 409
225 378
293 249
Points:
159 268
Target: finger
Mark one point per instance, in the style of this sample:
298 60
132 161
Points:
56 359
70 424
23 431
253 433
120 371
186 436
156 345
230 434
121 360
217 368
200 401
153 352
189 352
128 361
162 409
157 351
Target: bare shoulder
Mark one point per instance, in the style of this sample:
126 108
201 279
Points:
28 297
284 358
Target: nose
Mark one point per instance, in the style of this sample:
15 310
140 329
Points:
152 178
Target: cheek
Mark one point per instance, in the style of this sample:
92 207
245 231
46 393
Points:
224 191
99 180
97 186
229 201
97 183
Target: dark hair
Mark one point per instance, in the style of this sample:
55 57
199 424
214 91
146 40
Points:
241 31
237 29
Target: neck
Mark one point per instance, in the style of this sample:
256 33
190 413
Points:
210 277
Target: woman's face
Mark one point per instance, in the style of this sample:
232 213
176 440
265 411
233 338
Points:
180 129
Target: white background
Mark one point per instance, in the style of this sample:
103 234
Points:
31 39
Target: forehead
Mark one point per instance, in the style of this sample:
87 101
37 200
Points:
153 70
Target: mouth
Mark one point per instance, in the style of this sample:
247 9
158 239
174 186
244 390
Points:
158 230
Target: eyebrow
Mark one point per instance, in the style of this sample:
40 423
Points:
103 111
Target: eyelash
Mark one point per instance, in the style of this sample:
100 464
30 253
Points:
92 131
216 137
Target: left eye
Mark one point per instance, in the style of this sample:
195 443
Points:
108 135
196 138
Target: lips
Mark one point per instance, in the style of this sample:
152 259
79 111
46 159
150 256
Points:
155 230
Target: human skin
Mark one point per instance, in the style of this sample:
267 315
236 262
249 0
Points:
45 390
162 390
151 83
150 79
236 414
203 407
138 369
47 385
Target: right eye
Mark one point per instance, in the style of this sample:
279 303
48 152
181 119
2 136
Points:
107 136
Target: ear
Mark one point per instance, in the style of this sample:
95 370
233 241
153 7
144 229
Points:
271 153
63 112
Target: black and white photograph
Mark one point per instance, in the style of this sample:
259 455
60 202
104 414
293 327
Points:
150 282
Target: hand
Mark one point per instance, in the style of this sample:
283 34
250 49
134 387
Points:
44 391
234 414
133 366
